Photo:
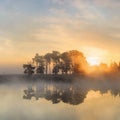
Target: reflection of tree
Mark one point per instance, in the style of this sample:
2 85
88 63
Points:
29 93
73 97
55 93
115 92
67 93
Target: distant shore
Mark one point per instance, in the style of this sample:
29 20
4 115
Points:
56 78
43 77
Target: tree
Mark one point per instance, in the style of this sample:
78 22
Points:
40 69
40 63
74 61
78 61
48 59
66 64
114 67
36 59
55 56
56 69
29 69
119 66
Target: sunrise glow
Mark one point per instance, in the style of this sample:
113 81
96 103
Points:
41 26
93 60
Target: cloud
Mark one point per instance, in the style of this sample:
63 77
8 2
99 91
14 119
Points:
41 26
55 30
107 3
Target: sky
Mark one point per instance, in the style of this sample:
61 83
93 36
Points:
28 27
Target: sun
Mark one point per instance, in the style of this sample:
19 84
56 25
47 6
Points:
93 60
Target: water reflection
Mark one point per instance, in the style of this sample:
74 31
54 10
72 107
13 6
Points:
75 101
67 93
73 93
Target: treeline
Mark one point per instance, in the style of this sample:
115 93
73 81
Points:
115 67
69 62
104 68
55 62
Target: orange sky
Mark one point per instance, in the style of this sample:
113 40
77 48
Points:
29 27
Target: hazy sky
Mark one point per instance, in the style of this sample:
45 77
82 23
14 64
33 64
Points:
39 26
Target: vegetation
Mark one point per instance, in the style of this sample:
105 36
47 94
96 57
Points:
29 69
70 62
57 63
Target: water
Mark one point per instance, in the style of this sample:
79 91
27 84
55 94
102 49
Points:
58 101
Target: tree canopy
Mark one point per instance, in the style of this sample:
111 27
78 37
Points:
69 62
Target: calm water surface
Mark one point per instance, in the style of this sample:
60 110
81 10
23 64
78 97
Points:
58 101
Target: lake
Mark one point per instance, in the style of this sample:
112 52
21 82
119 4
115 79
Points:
59 101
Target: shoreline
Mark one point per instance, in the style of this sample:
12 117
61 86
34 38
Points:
58 77
48 77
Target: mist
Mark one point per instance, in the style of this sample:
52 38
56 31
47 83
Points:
46 99
11 69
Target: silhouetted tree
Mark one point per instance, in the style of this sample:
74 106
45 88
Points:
119 66
29 69
36 59
68 62
78 61
40 63
56 69
74 61
40 69
114 67
48 58
55 57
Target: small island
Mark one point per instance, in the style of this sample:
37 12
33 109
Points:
67 66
